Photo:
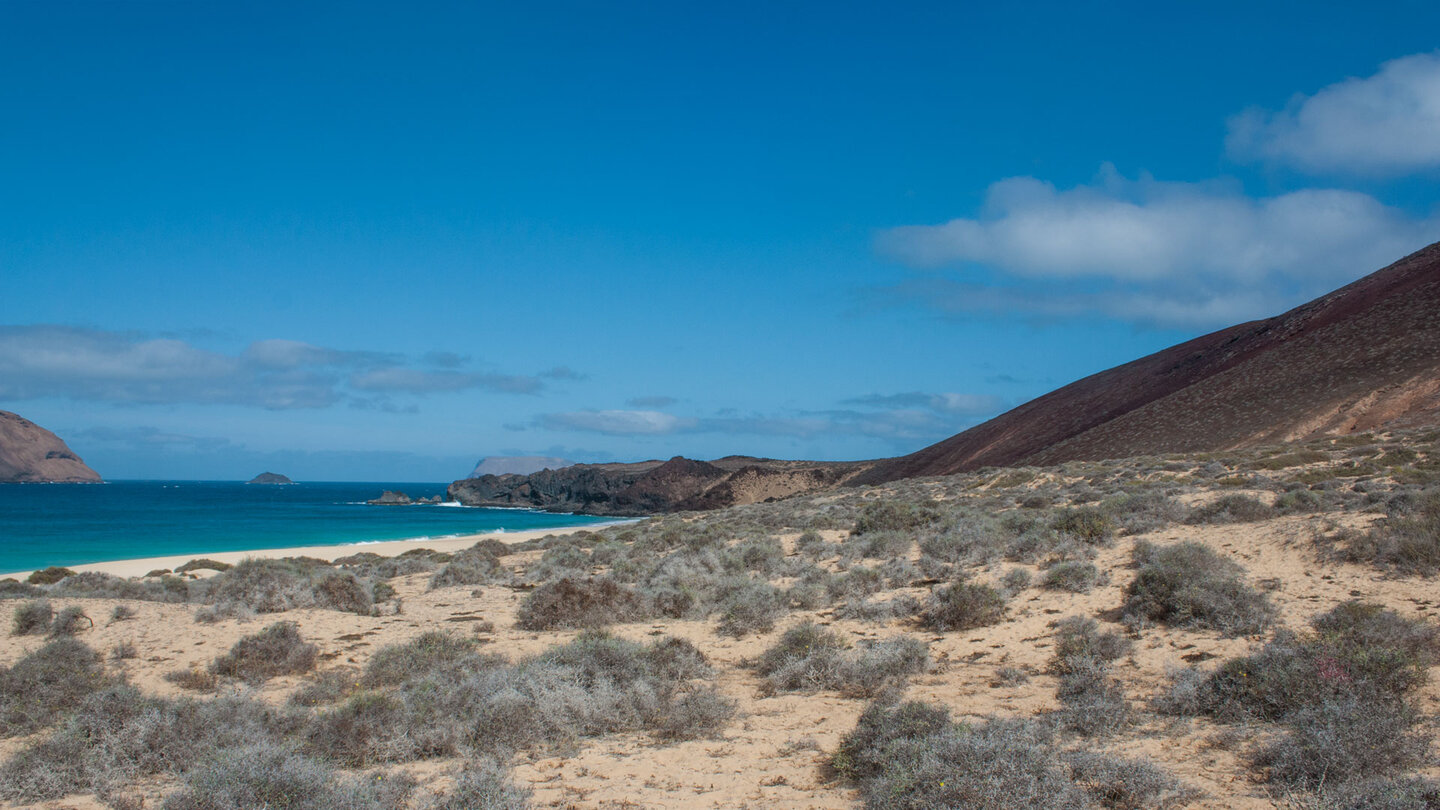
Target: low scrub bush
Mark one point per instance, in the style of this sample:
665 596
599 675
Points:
95 585
808 657
878 516
1357 649
963 606
276 650
275 586
32 618
477 565
1090 524
277 778
485 785
1342 740
196 679
750 606
579 603
1073 576
912 757
15 589
1126 784
203 564
47 683
49 576
393 664
1094 703
1231 509
69 622
1407 540
1188 585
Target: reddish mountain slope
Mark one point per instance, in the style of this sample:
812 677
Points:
30 453
1362 357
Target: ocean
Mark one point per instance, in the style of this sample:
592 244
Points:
70 524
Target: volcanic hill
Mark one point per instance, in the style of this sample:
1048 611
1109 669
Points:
1364 357
32 454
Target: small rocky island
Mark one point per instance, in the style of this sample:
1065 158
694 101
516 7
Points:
270 478
392 498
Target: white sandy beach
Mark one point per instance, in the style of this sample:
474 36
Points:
141 566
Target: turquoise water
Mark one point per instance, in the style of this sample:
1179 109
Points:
69 524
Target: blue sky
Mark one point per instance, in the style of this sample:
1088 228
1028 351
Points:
367 242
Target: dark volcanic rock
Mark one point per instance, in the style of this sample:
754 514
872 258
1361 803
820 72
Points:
647 487
391 498
1362 358
30 453
269 478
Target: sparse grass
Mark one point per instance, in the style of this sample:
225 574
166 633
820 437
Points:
195 679
963 606
1408 540
579 603
1188 585
277 650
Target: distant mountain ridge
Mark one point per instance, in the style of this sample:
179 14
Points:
1364 357
31 454
517 465
646 487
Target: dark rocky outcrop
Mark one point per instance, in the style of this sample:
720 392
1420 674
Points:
269 478
391 498
32 454
1362 358
647 487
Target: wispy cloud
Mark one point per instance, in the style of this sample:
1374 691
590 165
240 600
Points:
136 368
563 373
1384 124
616 422
900 418
1148 251
651 402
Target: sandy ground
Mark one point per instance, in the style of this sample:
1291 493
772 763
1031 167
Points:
771 754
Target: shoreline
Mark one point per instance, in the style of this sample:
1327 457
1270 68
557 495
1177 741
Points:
140 566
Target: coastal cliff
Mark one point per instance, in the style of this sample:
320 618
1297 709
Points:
31 454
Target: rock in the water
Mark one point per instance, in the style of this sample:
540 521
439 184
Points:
391 498
269 478
32 454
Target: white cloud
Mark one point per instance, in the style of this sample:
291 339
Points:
1158 252
963 404
128 367
1384 124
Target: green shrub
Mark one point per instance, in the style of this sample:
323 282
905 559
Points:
49 576
276 650
963 606
1188 585
203 564
579 603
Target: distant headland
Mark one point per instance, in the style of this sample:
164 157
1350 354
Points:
31 454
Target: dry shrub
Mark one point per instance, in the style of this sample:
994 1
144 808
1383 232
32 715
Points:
276 650
579 603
